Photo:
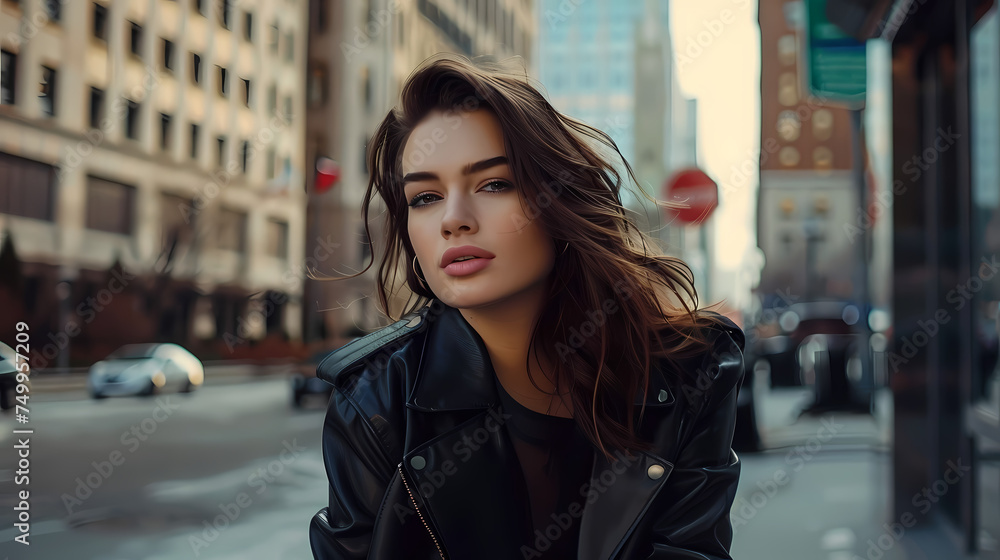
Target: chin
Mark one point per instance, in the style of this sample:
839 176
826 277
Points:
473 295
468 297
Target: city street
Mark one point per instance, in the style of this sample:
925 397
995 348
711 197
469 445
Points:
236 455
239 445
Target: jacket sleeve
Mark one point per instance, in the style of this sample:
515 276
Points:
691 515
359 472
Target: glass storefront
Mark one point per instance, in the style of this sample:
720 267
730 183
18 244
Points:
983 288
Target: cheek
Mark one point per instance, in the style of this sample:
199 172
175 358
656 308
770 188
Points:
418 240
533 241
422 233
413 231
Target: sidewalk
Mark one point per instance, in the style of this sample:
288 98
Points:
822 490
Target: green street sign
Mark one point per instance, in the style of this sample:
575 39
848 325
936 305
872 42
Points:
834 63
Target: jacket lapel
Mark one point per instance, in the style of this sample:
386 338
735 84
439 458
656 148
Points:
474 463
618 496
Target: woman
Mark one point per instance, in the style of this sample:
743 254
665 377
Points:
552 392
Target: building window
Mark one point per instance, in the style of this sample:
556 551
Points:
246 91
287 116
271 156
221 159
277 238
8 78
232 230
317 86
100 22
245 156
226 13
321 16
196 68
366 84
195 134
289 47
272 99
132 120
47 91
275 33
27 187
177 220
96 107
136 39
223 81
53 9
110 206
248 26
168 54
165 131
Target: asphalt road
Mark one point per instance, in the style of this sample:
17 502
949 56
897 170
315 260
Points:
228 471
234 472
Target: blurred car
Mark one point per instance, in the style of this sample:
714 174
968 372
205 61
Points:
305 382
145 369
8 377
816 343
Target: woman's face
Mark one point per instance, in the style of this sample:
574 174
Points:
461 195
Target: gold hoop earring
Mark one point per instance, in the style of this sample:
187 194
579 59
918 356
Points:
419 279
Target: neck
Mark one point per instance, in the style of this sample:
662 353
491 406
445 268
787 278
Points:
505 328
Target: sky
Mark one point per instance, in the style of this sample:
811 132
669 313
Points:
716 47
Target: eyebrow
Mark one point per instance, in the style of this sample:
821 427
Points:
467 170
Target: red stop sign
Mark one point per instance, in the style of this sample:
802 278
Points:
327 174
695 189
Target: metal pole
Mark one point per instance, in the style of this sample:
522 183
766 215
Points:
861 252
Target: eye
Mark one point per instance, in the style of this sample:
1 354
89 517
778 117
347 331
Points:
414 202
503 186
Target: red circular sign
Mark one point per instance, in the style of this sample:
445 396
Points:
327 174
695 189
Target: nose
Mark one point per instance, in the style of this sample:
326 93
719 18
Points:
458 216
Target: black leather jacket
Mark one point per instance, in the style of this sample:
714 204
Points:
420 468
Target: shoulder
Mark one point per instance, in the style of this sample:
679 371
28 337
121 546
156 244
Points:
717 371
370 355
724 332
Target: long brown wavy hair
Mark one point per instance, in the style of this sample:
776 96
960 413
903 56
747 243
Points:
574 189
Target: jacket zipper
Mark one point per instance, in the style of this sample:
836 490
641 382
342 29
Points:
415 506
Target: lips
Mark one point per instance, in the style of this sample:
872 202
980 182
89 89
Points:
464 251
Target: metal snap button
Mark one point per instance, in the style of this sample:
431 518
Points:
655 471
418 462
662 396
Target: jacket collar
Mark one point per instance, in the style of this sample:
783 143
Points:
455 372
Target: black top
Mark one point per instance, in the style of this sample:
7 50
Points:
556 459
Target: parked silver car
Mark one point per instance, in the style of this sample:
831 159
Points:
145 369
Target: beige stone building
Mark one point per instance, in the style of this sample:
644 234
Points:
360 54
166 136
